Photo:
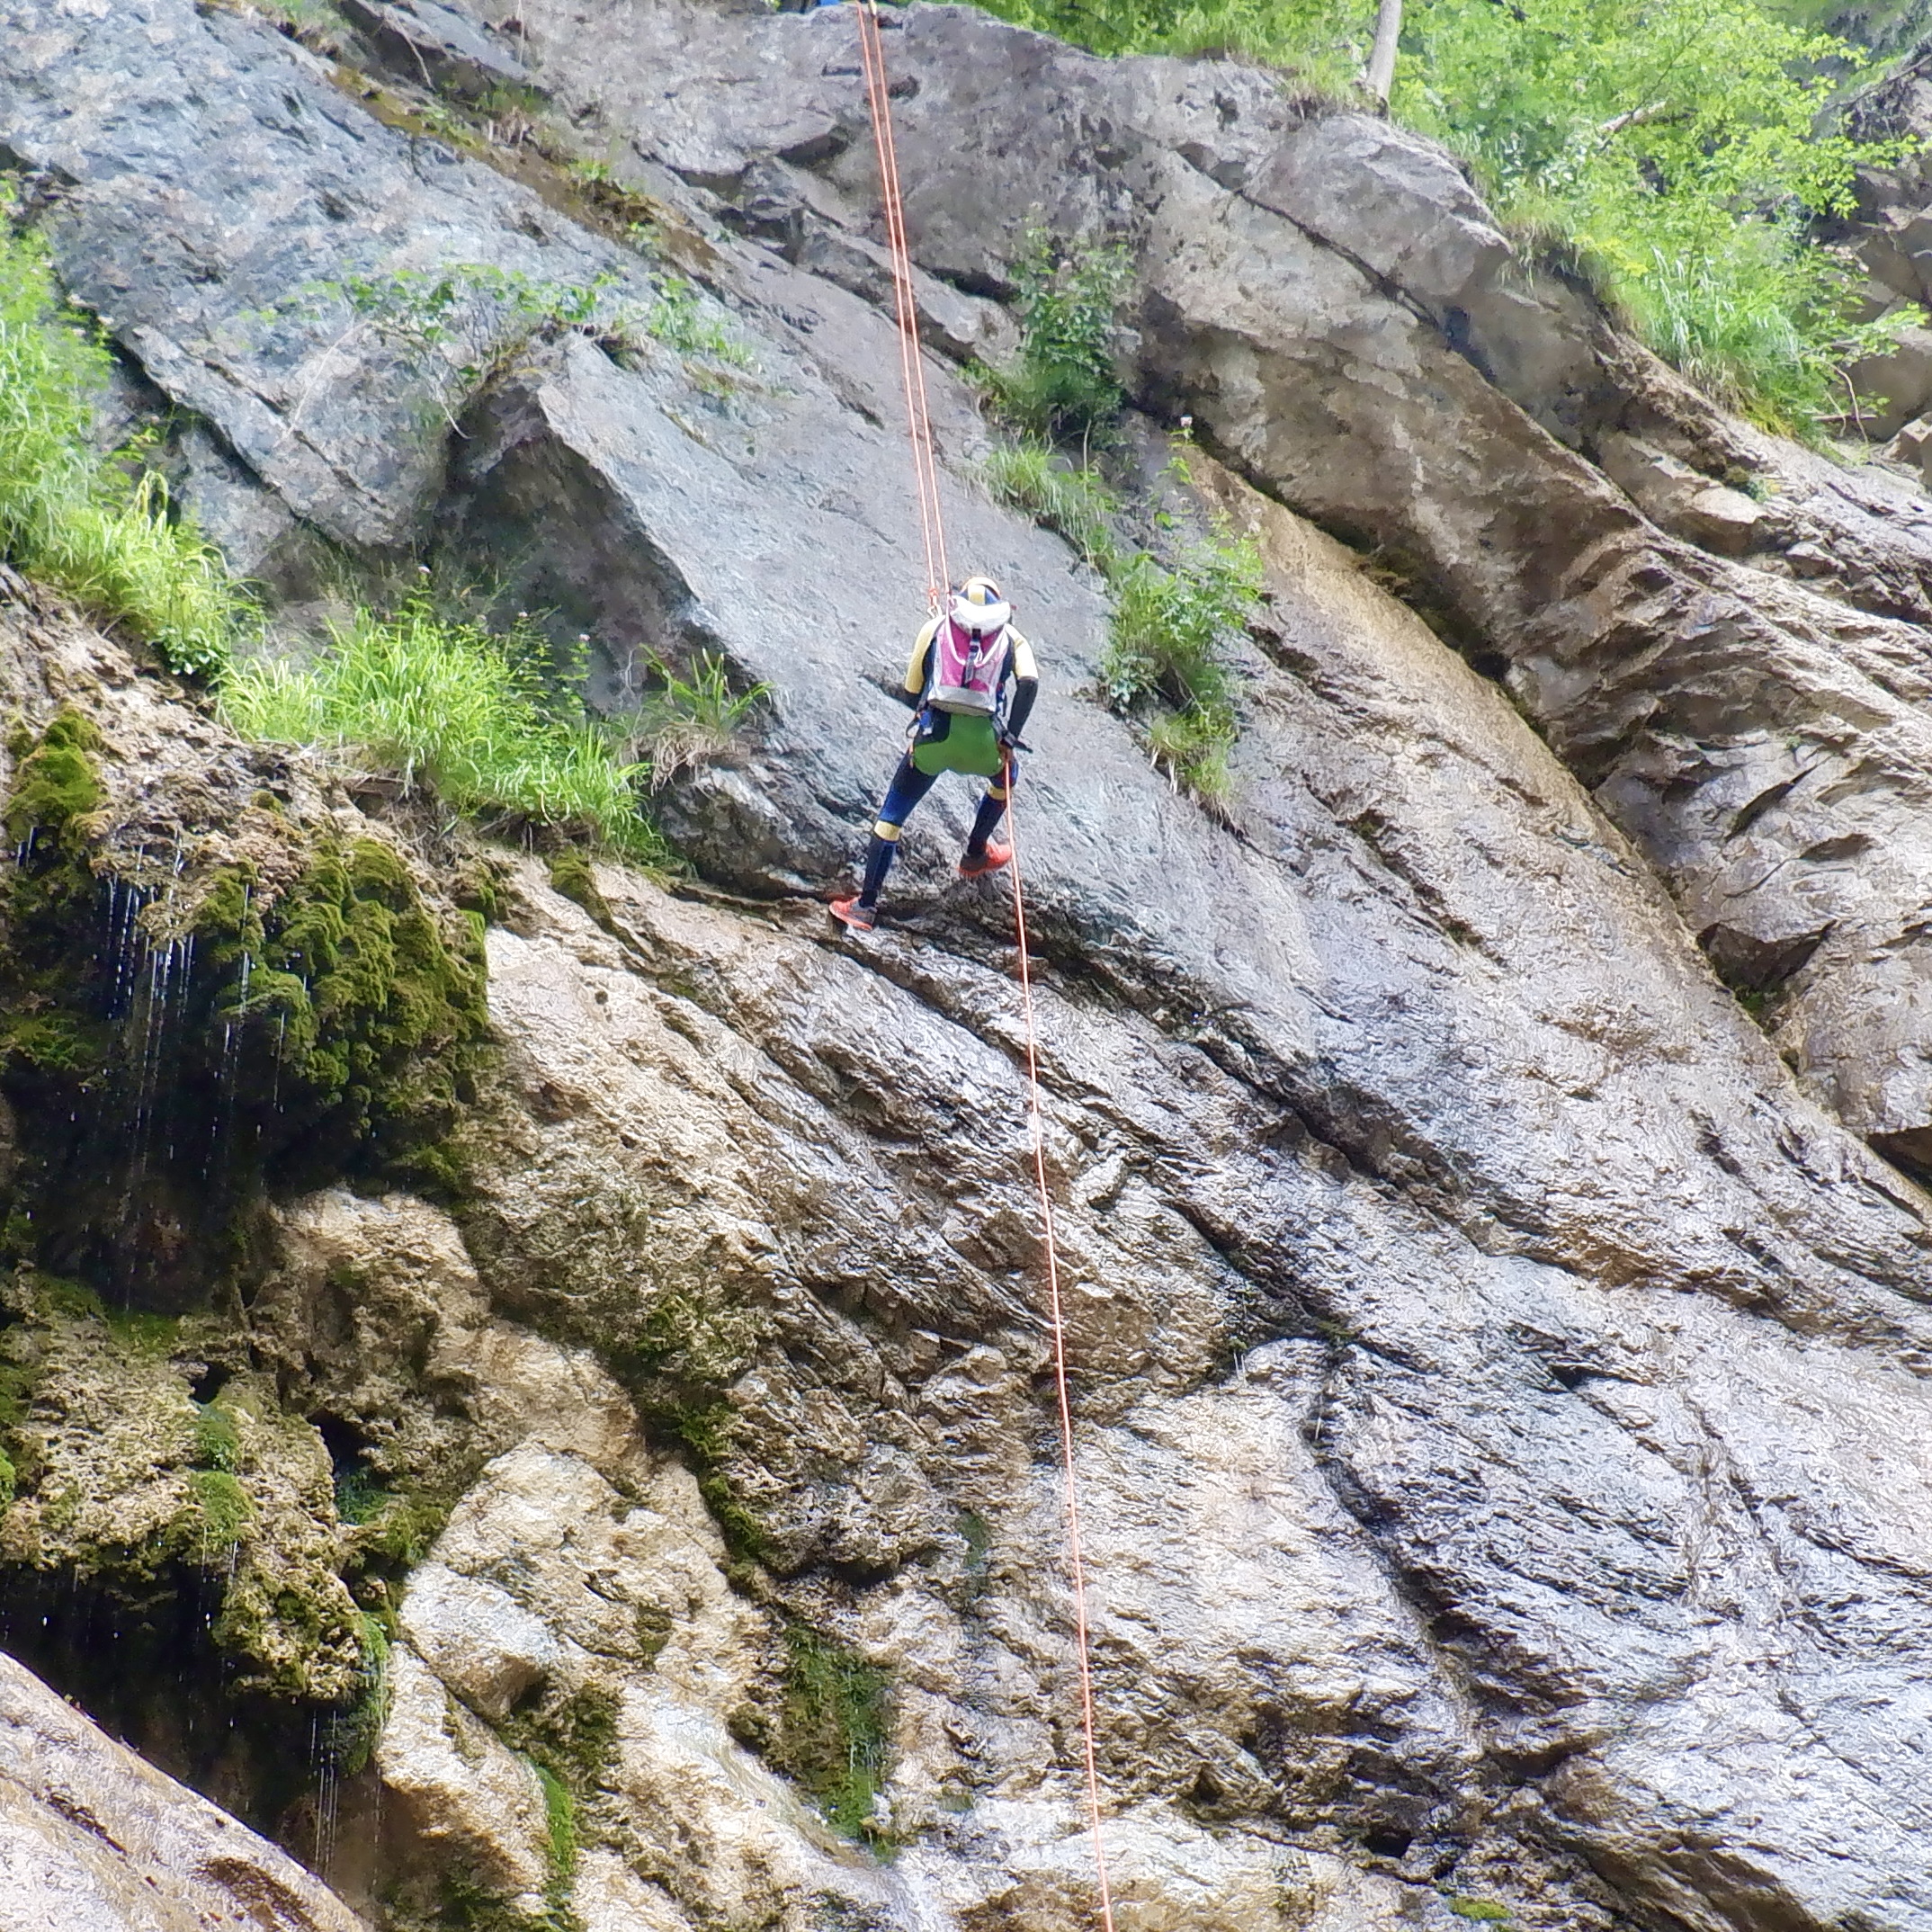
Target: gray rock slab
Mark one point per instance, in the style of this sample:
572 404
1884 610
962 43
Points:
94 1840
218 193
1328 297
437 45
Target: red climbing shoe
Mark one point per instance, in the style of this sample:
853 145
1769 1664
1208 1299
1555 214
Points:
850 912
989 861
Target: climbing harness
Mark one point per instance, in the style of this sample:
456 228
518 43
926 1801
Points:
926 474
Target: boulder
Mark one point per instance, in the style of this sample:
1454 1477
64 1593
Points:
94 1840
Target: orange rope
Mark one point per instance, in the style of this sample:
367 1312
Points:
912 366
1075 1563
932 524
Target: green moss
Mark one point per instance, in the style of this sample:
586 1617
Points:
331 1026
9 1482
54 1295
57 780
138 1332
222 1512
351 1736
443 1172
398 1535
1486 1911
474 890
216 1442
745 1534
465 1903
360 1495
16 1390
54 1042
360 1005
654 1632
559 1813
572 874
574 1738
833 1727
52 907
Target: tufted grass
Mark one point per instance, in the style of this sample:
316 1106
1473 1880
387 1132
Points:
455 711
101 530
1033 478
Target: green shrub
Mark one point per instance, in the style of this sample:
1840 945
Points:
1759 320
79 520
1322 43
1061 384
454 710
1169 638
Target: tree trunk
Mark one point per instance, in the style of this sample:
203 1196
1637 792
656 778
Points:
1379 75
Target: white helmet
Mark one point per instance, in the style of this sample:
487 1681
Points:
979 607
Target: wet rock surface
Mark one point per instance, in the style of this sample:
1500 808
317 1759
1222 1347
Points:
1501 1401
1330 302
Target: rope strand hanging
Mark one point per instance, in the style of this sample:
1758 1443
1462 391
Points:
912 367
1075 1562
932 526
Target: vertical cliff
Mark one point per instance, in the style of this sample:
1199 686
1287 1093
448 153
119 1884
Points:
525 1378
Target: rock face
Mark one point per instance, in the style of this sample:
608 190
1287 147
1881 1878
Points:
1329 301
1501 1412
92 1839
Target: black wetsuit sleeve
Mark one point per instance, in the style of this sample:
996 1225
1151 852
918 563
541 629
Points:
1024 690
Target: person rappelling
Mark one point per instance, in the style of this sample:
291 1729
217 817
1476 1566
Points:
970 682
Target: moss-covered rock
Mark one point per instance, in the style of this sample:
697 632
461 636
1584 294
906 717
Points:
355 1004
59 781
125 1483
832 1727
174 1049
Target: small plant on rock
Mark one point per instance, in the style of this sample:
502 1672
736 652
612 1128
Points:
1063 385
680 320
1173 625
690 720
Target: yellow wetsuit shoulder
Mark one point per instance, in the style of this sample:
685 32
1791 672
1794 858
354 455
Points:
916 665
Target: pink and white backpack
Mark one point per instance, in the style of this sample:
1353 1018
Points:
968 666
